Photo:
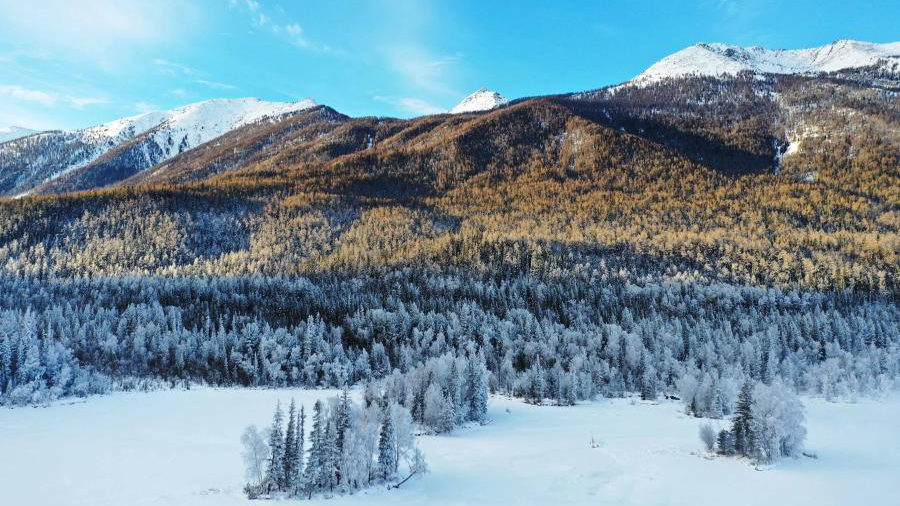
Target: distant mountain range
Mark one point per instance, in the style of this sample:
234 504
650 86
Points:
127 149
13 132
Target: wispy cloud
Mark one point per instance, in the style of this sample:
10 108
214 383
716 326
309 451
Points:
98 31
48 99
20 93
288 30
82 102
422 69
190 74
145 107
736 17
215 85
413 105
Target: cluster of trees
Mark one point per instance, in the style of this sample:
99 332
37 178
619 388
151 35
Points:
350 447
570 339
443 392
767 423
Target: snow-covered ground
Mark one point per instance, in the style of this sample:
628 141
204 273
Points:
182 448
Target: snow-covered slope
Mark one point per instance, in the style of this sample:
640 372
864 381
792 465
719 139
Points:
481 100
718 59
13 132
152 137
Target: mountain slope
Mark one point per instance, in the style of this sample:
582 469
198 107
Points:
724 59
13 132
106 153
482 100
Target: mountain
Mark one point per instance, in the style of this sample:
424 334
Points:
768 179
724 59
481 100
103 154
13 132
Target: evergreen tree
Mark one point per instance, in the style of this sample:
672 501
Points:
387 448
275 469
313 476
289 476
300 440
743 422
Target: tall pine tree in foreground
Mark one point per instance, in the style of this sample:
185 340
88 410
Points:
387 447
274 472
742 425
289 463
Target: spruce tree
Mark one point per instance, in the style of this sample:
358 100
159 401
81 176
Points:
312 476
387 447
743 422
301 440
289 463
274 471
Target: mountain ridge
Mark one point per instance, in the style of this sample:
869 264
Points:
717 59
165 134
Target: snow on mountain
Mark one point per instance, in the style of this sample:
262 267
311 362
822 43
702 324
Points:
718 59
481 100
30 162
13 132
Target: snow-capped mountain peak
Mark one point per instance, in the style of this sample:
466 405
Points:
720 59
150 137
14 132
482 100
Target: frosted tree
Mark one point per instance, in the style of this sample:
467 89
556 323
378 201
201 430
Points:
778 422
254 455
314 472
289 468
708 436
742 424
435 408
275 469
387 447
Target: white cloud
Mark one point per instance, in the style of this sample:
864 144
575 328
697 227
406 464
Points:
423 70
20 93
101 31
413 105
82 102
145 107
215 85
288 30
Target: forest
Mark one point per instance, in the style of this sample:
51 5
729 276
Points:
730 243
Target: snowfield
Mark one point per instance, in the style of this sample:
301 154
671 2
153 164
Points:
482 100
718 59
182 448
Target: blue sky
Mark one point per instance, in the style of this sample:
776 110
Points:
74 63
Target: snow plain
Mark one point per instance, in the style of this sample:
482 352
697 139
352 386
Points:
182 448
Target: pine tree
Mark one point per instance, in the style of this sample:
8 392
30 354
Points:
313 473
743 422
387 449
289 465
274 472
725 442
300 440
343 420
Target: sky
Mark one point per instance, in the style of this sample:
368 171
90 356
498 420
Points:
74 63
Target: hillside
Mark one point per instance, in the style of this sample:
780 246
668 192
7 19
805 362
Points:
104 154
